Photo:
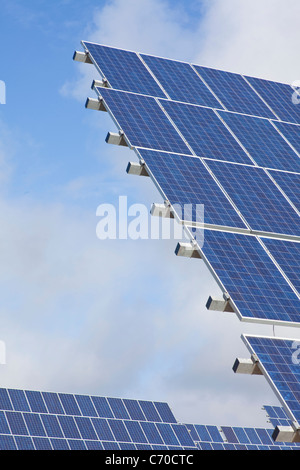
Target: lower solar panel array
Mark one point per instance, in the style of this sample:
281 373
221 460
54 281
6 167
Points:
57 421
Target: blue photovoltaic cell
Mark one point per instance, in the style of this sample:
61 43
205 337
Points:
167 434
149 411
277 416
234 92
183 435
41 443
59 444
291 132
119 430
34 424
24 443
181 82
36 401
86 428
165 412
53 402
7 443
135 431
252 280
16 422
43 431
75 444
94 445
19 400
151 432
229 434
134 409
143 121
118 408
279 97
5 403
264 143
205 132
123 69
102 407
257 197
102 429
290 184
4 428
214 433
86 405
68 426
51 425
278 360
69 403
287 255
186 182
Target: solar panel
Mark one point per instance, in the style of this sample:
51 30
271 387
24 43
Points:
205 132
46 431
258 199
277 416
78 423
292 134
280 365
123 69
234 92
143 121
213 138
255 285
235 438
181 82
287 255
186 182
290 184
279 97
263 142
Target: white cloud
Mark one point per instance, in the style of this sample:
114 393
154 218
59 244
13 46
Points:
257 37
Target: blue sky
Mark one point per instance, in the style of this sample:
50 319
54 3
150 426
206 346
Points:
117 317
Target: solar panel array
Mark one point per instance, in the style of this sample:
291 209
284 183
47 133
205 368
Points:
220 139
34 420
57 421
229 142
279 360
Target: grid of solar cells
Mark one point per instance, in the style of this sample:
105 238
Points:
287 255
279 359
291 132
255 285
48 420
279 97
205 132
234 92
290 184
123 69
257 197
263 142
143 121
186 182
235 438
277 416
22 430
181 82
